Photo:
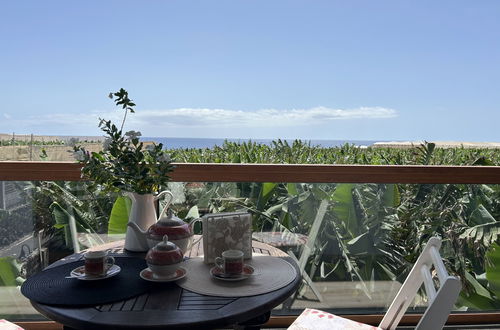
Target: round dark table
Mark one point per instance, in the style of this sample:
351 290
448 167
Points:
169 306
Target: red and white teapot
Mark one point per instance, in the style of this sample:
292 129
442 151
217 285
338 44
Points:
179 232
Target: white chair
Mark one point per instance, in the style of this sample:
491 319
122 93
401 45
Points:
440 302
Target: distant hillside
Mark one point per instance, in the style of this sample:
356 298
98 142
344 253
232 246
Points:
439 144
27 137
43 152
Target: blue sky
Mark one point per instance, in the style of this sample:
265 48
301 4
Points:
358 70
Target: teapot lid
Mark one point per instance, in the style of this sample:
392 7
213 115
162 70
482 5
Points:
170 220
165 245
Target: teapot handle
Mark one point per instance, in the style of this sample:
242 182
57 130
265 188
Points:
170 199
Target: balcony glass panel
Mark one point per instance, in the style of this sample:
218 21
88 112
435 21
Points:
355 242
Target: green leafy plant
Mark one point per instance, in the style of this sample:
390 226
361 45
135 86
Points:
125 164
119 215
9 272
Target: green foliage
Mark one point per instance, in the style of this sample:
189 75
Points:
124 164
57 205
123 100
371 231
301 152
119 215
15 142
9 272
493 269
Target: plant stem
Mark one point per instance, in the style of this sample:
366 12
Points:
124 117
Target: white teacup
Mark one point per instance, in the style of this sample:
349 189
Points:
231 262
97 263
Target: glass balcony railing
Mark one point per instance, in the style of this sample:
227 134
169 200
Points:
356 241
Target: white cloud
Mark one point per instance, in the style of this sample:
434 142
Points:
7 116
258 118
186 118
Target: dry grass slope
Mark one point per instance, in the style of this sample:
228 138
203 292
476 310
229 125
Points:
33 153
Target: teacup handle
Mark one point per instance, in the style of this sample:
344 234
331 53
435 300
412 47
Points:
110 261
219 262
170 199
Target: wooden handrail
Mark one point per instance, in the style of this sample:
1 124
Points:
190 172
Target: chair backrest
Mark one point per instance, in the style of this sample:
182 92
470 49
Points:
440 302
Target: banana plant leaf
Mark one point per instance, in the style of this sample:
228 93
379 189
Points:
61 218
481 216
493 269
8 272
266 193
119 215
63 215
344 209
292 189
193 213
392 196
480 298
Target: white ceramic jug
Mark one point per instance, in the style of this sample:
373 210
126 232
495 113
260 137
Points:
143 214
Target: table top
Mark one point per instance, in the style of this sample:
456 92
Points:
170 306
280 239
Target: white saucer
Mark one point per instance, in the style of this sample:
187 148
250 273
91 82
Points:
219 274
79 273
147 274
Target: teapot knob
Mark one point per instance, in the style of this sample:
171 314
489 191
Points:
165 245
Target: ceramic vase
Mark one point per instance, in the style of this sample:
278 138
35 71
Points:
143 213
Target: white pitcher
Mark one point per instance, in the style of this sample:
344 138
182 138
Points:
143 214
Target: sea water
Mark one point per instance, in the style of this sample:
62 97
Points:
176 143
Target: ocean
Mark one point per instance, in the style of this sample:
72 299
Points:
173 143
